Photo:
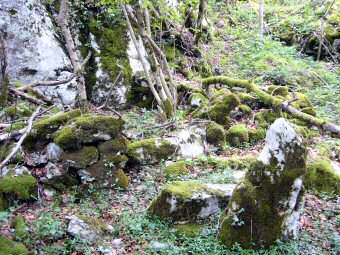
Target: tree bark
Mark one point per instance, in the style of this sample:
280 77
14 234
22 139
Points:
81 86
201 13
274 102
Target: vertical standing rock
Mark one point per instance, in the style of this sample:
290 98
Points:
266 205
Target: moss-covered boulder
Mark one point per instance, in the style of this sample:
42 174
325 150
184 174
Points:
303 103
236 163
266 205
215 134
88 129
20 227
197 100
18 187
218 107
44 129
175 169
81 158
265 117
188 230
322 177
119 146
150 151
256 135
278 90
182 200
9 247
237 135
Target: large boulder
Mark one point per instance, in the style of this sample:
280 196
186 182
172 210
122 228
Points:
33 50
184 200
266 205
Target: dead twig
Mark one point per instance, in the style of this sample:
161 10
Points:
17 146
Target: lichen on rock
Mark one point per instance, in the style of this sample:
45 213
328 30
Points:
266 205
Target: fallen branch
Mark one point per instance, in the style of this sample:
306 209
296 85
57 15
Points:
17 146
274 102
48 83
25 96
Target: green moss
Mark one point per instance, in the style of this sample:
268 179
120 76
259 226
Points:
322 177
278 90
5 150
21 186
303 103
9 247
256 135
245 97
112 39
171 53
121 179
197 99
188 230
81 158
114 146
43 130
16 126
150 150
168 108
215 134
97 224
266 117
176 169
67 138
187 89
237 135
18 111
87 129
252 219
3 203
219 107
236 163
245 109
20 227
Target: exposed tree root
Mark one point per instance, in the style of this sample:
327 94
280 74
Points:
276 103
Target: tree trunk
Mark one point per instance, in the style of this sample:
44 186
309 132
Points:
81 86
201 13
261 7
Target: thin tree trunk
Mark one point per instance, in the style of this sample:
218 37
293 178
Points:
261 7
81 86
201 13
320 39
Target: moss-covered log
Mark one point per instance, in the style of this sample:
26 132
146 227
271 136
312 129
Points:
276 103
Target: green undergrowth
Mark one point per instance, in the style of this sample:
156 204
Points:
269 61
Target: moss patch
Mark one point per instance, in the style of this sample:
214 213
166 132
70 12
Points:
81 158
114 146
18 111
9 247
121 179
256 135
150 150
215 134
278 90
5 150
236 163
20 227
237 135
18 187
322 177
176 169
189 230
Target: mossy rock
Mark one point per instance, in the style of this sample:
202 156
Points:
322 177
278 90
18 111
237 135
150 151
20 187
246 98
303 104
5 150
265 118
88 129
139 94
215 134
44 129
188 230
107 173
9 247
245 109
176 169
20 227
185 200
16 126
60 178
119 145
256 135
266 205
218 107
81 158
197 99
236 163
